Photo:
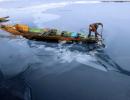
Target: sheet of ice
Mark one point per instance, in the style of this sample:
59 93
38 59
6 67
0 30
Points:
77 80
7 0
15 56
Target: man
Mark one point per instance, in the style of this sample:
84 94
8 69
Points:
93 28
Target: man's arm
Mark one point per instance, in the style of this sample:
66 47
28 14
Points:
99 24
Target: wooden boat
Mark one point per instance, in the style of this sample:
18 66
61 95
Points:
49 37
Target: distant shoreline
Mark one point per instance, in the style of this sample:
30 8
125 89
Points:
120 1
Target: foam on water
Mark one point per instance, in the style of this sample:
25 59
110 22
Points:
68 56
63 55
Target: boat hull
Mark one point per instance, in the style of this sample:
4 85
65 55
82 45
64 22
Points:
48 38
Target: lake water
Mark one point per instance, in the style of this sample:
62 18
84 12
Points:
56 72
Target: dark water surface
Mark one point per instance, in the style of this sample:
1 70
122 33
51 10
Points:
56 72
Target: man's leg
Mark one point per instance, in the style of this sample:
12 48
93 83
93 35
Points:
96 34
89 33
